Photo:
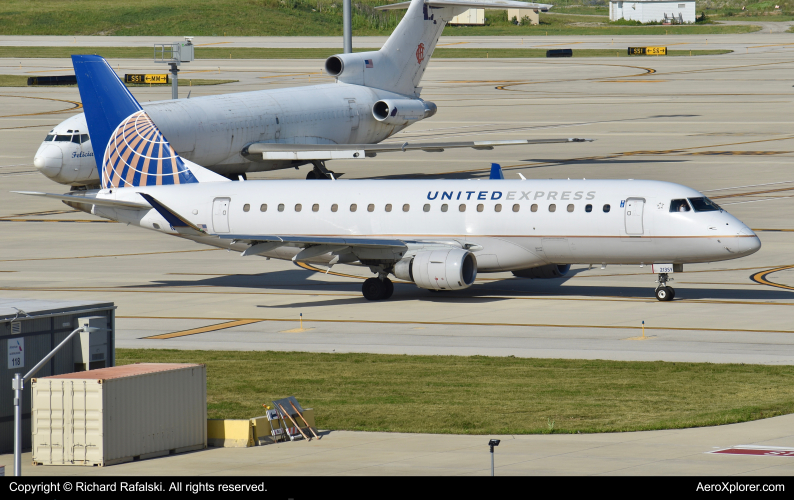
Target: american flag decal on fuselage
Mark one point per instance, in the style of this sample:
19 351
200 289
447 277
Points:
138 155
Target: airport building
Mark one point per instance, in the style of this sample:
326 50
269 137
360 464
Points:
29 330
649 11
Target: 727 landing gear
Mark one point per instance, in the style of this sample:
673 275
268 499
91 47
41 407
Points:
664 292
320 172
377 289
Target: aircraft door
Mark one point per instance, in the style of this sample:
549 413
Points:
633 215
220 215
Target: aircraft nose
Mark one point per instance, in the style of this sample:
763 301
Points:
750 243
49 160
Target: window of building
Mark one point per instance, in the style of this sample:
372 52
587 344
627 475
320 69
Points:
406 207
298 207
606 208
388 207
480 207
334 207
570 207
315 208
679 206
263 207
426 208
444 207
516 207
370 207
280 207
462 207
552 207
497 207
353 207
704 205
588 208
246 207
534 207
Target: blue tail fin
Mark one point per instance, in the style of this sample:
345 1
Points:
129 149
496 171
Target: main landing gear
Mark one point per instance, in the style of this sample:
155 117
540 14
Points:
320 172
377 288
663 292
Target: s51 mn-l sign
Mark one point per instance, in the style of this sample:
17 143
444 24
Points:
16 353
647 51
146 78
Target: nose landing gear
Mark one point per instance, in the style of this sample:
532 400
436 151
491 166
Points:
663 292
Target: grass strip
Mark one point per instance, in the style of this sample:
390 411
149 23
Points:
486 395
263 53
22 81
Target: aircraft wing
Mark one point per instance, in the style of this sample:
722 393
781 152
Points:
301 241
495 4
273 151
89 200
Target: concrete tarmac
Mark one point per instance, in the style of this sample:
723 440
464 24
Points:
682 452
717 123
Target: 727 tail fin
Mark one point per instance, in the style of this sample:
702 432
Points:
129 148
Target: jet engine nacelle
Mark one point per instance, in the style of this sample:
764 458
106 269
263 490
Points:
453 269
402 111
349 68
544 272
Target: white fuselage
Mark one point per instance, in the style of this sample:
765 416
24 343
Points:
213 130
512 224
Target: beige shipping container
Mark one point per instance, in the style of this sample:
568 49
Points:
119 414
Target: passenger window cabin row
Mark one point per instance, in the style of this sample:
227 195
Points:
427 207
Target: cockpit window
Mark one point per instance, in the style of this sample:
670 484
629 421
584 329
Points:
49 138
63 138
704 205
84 138
679 206
76 139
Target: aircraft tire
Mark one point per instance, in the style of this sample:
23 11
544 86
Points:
388 289
311 175
664 294
672 292
373 289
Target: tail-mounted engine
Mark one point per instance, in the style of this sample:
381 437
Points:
402 111
544 272
453 269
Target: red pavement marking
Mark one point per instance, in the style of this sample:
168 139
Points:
757 451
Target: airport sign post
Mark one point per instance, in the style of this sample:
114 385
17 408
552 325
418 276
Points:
158 79
647 51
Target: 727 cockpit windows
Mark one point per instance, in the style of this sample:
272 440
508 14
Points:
76 138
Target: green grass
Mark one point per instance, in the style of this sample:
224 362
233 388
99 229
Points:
486 395
176 18
259 53
22 81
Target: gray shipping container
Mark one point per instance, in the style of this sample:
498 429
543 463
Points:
114 415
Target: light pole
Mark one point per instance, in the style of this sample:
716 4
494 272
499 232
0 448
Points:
492 443
17 385
347 26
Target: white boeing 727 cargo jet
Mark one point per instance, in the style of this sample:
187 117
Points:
436 233
375 96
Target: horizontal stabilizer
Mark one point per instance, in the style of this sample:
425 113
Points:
273 151
88 200
473 4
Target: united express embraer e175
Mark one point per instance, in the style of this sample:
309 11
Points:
375 96
437 234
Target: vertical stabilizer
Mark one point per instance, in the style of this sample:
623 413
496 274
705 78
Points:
129 148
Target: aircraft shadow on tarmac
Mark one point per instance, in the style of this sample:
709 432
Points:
497 290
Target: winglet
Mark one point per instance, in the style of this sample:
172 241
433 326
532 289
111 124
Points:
496 171
173 218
